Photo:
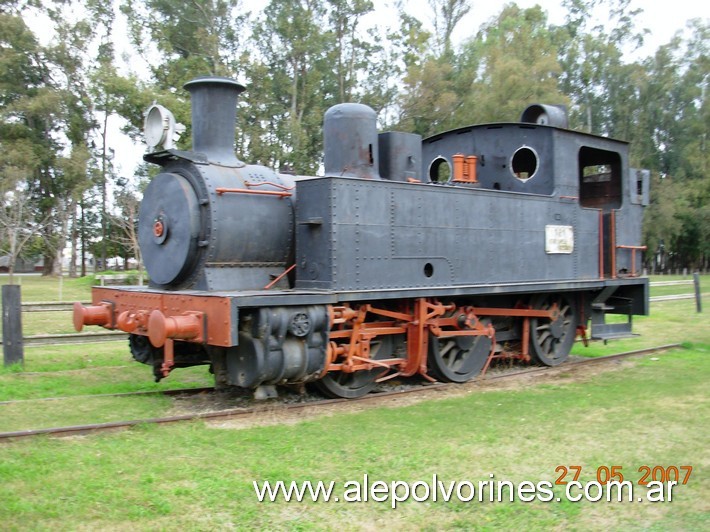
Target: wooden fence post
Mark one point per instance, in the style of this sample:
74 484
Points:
698 301
12 325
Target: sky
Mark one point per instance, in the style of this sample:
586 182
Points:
662 17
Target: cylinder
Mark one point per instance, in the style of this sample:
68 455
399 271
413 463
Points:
471 162
214 117
546 115
350 141
459 171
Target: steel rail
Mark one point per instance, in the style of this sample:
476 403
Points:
50 306
672 297
241 412
73 338
176 391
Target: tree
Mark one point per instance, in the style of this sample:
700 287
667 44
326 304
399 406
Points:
126 225
351 54
671 140
18 221
193 38
509 63
593 73
514 61
447 15
45 109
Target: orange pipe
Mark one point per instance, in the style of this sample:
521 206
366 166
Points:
459 171
282 187
471 162
222 190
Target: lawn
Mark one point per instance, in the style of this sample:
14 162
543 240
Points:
38 288
651 411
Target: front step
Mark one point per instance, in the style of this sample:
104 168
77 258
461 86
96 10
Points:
611 331
604 303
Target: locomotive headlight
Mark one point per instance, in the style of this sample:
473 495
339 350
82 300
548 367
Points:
160 128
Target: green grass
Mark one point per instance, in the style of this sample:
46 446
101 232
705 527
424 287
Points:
131 377
80 411
650 412
73 371
37 288
49 358
669 322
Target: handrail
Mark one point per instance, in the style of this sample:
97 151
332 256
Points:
223 190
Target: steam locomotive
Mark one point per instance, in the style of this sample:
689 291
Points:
407 257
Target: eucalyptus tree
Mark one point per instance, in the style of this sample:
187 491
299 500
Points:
594 73
510 63
289 89
447 15
673 140
46 113
180 41
309 55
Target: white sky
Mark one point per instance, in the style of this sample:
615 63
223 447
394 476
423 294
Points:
662 17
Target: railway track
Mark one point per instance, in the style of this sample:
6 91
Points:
244 412
176 391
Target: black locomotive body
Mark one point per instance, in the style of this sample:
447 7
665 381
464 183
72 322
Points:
407 257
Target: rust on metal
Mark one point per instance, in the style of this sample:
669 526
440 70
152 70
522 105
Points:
168 357
601 244
582 334
131 312
519 312
158 228
458 160
354 329
471 163
130 321
612 250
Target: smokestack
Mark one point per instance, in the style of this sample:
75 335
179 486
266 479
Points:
214 117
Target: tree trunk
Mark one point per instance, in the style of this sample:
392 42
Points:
83 240
62 237
74 243
104 172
